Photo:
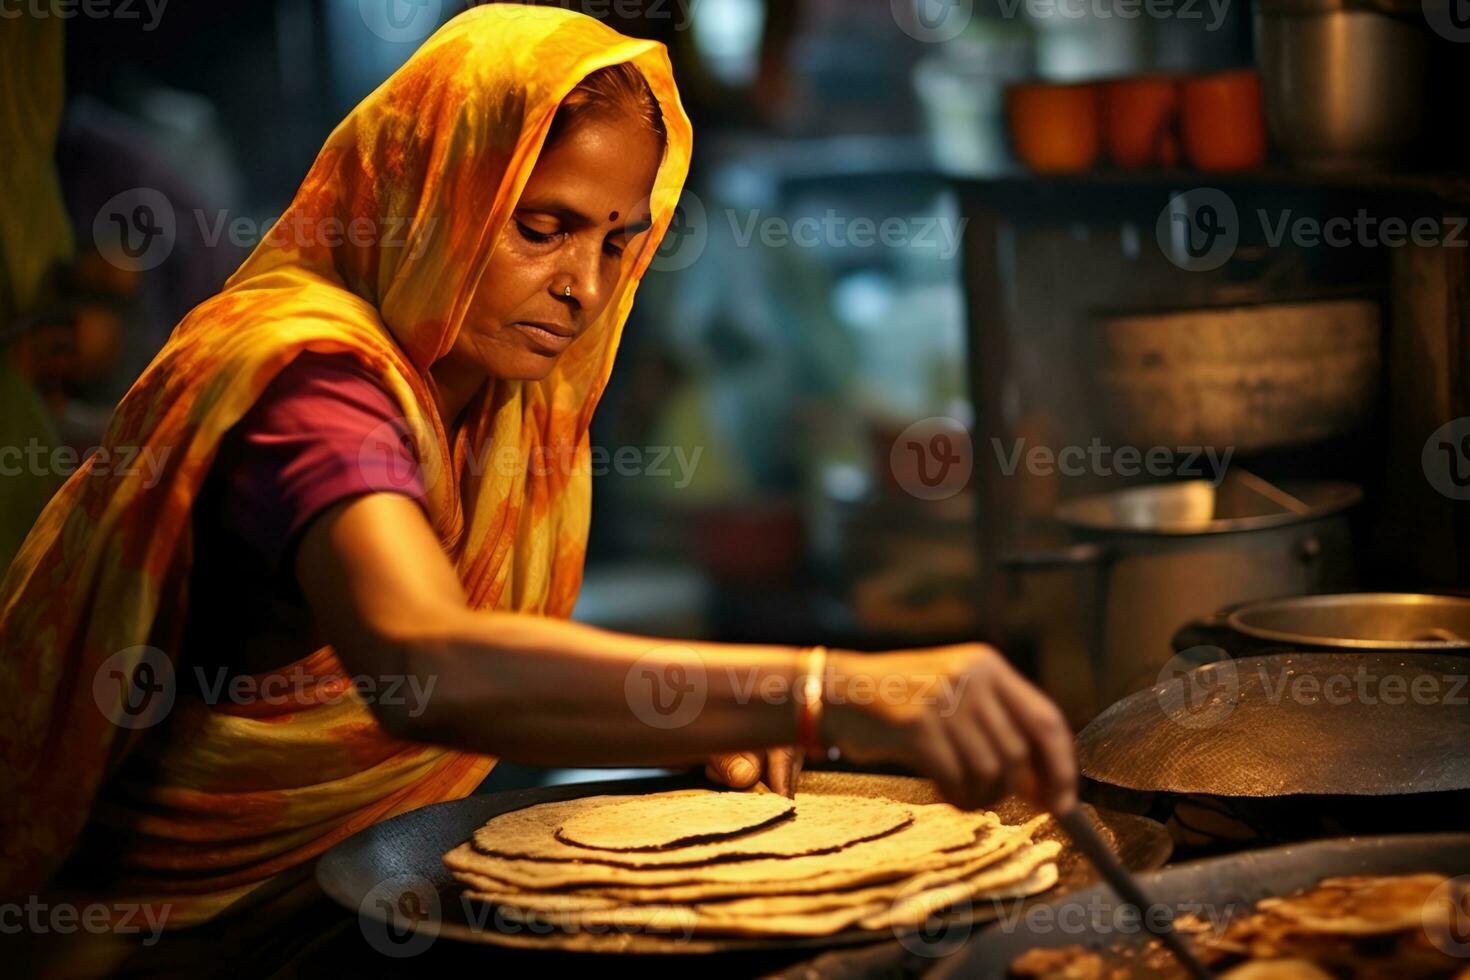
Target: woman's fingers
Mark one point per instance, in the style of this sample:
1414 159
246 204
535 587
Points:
942 761
735 769
984 773
783 768
1051 744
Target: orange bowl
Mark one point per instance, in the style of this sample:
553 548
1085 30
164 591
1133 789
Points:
1055 128
1221 120
1140 121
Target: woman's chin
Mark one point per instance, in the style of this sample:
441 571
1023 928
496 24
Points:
524 366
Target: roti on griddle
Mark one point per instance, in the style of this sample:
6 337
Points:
819 824
666 820
711 863
815 914
856 866
935 829
1029 870
1026 859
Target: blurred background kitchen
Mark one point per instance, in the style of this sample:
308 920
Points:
1066 324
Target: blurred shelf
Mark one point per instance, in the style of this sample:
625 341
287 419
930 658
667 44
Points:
1020 189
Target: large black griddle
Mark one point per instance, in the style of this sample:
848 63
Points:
406 852
1225 887
1291 724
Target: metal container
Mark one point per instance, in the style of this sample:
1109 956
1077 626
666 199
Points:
1250 377
1400 621
1165 555
1343 81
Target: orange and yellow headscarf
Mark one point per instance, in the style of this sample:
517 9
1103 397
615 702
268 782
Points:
418 183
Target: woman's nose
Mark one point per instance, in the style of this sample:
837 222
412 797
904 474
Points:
583 273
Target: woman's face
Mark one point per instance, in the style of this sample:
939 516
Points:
584 205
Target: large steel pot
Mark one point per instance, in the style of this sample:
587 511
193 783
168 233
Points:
1160 556
1343 81
1396 621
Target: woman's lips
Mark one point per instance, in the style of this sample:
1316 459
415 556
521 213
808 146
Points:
544 339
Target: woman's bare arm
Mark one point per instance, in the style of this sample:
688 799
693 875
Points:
534 689
550 692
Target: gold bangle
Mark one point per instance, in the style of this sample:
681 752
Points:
810 701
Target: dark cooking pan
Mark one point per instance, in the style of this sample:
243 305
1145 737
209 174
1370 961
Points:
400 859
1352 724
1216 889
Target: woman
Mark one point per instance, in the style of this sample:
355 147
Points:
371 462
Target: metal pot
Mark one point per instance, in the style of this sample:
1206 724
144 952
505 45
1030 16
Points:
1159 554
1401 621
1343 82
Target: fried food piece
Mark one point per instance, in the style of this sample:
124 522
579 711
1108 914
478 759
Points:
1061 963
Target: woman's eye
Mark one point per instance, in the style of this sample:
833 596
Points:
532 235
616 251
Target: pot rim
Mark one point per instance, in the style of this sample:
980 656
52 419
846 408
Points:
1235 621
1331 497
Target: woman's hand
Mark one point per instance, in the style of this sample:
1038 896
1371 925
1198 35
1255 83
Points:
778 768
960 715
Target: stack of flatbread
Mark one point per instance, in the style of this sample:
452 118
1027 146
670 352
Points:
746 864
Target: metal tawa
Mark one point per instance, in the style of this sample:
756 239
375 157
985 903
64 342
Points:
1342 724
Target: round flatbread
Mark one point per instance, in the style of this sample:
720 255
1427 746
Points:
665 820
819 824
908 902
939 837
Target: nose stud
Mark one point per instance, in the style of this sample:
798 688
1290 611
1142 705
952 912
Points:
568 290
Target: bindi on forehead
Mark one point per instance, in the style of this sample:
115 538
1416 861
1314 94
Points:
613 216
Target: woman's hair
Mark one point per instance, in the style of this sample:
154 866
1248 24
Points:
618 88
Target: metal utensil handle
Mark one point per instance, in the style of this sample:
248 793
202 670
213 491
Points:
1077 825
